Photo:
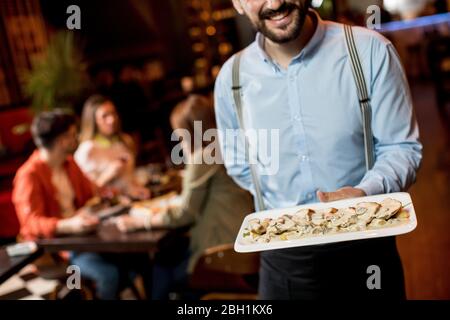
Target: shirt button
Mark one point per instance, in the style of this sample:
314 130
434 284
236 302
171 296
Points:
309 196
303 157
297 117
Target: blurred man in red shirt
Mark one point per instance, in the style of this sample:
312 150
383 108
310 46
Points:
50 192
49 189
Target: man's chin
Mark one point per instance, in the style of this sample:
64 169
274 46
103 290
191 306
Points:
280 36
286 33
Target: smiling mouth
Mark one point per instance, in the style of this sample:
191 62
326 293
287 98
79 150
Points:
280 16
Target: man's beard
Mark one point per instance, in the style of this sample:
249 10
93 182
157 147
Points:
294 28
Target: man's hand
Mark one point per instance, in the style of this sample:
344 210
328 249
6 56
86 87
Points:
343 193
82 222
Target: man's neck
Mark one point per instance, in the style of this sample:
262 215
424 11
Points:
283 53
54 158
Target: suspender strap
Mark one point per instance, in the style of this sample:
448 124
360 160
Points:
363 96
238 105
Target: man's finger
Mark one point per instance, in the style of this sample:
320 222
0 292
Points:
330 196
323 196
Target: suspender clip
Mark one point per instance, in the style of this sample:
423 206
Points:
364 100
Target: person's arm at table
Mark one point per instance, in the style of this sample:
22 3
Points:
195 192
29 200
86 160
196 184
82 222
112 171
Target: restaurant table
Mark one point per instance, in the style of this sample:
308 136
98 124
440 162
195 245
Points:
107 239
173 185
11 265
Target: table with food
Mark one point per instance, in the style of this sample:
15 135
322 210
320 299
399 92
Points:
111 235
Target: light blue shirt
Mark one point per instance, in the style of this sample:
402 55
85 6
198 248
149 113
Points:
314 105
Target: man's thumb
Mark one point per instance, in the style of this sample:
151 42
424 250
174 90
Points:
323 196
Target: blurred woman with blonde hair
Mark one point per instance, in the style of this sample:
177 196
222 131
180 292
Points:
106 154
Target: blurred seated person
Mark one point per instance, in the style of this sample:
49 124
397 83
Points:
50 192
106 154
210 200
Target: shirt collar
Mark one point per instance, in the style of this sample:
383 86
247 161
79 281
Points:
36 159
316 39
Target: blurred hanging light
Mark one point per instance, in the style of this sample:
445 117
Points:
210 31
316 3
405 7
391 5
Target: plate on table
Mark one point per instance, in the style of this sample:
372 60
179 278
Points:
105 208
146 207
111 212
321 223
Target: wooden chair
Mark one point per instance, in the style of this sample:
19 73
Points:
53 267
223 274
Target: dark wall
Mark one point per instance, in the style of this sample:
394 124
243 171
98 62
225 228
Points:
118 30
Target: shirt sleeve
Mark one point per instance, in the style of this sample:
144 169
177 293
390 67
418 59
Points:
398 150
28 202
231 143
194 195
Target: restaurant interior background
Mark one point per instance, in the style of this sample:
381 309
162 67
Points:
148 55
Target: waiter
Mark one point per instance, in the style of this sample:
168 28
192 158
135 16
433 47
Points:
340 101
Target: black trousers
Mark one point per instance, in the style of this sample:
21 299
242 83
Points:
364 269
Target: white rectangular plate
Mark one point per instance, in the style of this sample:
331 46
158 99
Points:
241 245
